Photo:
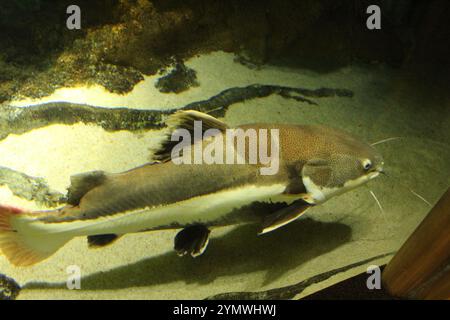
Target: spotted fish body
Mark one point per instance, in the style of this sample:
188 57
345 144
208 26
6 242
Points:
316 163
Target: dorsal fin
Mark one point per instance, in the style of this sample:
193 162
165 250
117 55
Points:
184 119
82 183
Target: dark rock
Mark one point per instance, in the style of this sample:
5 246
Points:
180 79
29 188
9 288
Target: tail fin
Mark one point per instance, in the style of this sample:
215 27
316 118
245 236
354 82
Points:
22 244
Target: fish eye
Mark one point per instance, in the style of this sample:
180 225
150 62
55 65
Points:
367 164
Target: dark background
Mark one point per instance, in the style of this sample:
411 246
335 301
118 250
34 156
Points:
122 39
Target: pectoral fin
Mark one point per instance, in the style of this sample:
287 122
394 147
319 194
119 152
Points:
283 216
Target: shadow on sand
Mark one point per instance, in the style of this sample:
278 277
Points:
237 252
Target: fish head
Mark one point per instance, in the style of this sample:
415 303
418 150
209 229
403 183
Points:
341 162
354 160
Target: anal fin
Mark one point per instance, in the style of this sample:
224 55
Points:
101 240
283 216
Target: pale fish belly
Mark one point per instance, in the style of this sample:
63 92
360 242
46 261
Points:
205 209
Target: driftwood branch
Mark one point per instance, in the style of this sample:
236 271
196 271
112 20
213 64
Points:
17 120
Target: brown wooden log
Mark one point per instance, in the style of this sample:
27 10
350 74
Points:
438 287
421 268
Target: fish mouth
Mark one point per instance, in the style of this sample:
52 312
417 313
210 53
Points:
373 175
376 172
